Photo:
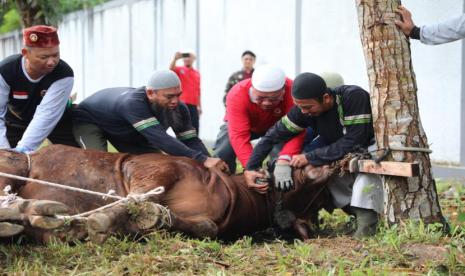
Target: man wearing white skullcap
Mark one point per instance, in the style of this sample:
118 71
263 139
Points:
135 120
252 107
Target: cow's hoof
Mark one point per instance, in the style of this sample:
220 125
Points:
98 238
205 229
44 222
10 214
9 229
150 216
48 208
98 227
98 223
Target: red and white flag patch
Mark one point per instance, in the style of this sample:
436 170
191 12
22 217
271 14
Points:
20 95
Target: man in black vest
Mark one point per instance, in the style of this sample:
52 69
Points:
34 90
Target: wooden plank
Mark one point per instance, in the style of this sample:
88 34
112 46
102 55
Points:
387 168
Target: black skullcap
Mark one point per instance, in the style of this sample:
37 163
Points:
308 86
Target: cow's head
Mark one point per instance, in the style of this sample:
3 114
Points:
308 197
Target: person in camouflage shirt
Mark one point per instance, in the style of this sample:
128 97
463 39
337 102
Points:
248 61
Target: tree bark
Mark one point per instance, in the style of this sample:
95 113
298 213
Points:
31 13
396 119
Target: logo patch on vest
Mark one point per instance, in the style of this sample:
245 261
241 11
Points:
20 95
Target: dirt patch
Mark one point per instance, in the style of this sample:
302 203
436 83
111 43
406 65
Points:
344 247
414 257
421 254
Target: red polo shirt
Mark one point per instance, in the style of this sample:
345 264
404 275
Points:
244 116
190 84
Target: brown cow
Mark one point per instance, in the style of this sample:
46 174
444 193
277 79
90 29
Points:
202 202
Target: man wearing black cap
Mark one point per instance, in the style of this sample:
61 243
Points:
342 117
34 90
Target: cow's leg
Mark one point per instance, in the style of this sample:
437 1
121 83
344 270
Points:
126 218
104 223
36 218
8 217
119 220
199 227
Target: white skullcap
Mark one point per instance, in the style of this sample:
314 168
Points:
332 79
163 79
268 78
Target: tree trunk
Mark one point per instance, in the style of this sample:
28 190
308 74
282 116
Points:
31 13
395 111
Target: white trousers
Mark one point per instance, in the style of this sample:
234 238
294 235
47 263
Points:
359 190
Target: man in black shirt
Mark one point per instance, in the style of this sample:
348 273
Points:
342 117
248 61
135 120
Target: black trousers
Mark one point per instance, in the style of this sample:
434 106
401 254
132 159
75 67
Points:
90 136
194 113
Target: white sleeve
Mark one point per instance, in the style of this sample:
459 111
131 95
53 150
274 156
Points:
47 114
4 94
446 31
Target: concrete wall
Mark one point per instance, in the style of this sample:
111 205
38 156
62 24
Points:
121 42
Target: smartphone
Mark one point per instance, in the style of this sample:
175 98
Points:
184 55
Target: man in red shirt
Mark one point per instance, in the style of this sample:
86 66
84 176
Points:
252 107
190 85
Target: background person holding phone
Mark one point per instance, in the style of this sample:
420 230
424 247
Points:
190 84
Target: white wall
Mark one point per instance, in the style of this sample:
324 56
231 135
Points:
121 42
439 78
229 27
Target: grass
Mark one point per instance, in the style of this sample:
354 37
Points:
409 249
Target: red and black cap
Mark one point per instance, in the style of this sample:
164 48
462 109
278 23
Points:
41 36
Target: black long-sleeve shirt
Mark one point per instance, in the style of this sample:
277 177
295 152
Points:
346 126
127 115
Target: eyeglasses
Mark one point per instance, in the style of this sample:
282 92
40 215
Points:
260 99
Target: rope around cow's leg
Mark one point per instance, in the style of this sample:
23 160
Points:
135 197
9 198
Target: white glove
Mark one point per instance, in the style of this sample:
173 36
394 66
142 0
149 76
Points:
283 177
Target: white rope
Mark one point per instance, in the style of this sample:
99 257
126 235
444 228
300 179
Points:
134 197
29 162
8 198
60 186
137 198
